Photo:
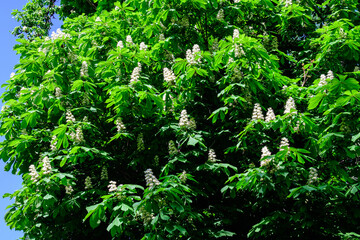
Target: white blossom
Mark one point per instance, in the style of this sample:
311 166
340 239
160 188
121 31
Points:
270 115
88 183
342 33
129 40
68 189
12 75
172 148
119 125
257 113
120 45
330 75
194 54
211 156
290 104
112 186
33 173
322 81
135 75
190 57
239 51
58 34
183 176
161 37
236 34
117 8
313 176
236 1
284 142
46 167
84 69
265 153
140 142
150 179
57 92
53 143
288 3
79 136
169 75
143 46
220 15
184 119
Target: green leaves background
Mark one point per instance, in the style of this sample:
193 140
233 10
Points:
69 91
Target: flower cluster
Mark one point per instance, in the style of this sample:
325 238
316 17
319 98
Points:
57 92
46 167
104 174
342 33
265 153
143 46
172 148
239 51
135 75
290 104
212 156
120 45
270 115
88 183
220 15
288 3
146 216
284 142
33 173
161 37
58 34
79 136
129 40
53 143
184 119
236 34
330 75
236 74
322 81
257 113
140 142
183 176
69 117
68 189
169 76
193 56
98 19
313 176
84 69
120 125
112 186
150 179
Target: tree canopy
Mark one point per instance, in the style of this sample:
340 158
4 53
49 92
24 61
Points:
185 119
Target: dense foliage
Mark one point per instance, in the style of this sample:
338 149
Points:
146 120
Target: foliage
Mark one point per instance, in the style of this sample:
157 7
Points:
176 90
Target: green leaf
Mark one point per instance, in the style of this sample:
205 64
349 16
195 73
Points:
314 101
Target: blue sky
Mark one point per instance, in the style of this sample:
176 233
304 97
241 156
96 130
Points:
8 182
